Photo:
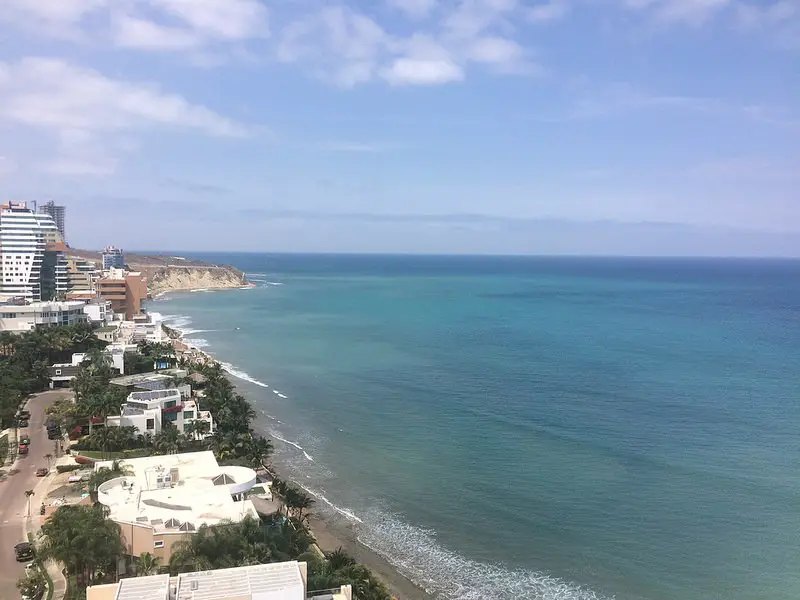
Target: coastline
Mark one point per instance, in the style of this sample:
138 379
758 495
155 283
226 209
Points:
330 532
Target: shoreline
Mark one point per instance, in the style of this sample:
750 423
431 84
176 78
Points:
327 531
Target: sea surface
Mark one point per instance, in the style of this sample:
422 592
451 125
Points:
533 428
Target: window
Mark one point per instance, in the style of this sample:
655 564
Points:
188 414
171 417
158 543
170 403
58 371
151 423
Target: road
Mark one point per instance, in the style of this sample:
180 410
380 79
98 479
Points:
13 504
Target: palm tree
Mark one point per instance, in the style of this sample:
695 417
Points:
258 451
146 564
104 404
339 559
28 495
168 440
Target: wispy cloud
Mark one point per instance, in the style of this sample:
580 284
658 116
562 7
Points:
351 147
90 116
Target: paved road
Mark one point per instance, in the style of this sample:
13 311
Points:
13 504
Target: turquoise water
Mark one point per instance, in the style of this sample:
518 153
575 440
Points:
533 428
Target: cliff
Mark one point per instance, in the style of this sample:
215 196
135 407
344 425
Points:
175 273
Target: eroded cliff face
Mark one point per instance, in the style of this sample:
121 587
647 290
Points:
174 273
180 278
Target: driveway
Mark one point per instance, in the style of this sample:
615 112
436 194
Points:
13 504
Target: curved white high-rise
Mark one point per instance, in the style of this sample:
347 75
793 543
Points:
27 270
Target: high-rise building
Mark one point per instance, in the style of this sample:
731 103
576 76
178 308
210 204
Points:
32 263
58 213
113 258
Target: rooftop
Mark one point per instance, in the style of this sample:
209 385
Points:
276 581
132 380
144 588
177 492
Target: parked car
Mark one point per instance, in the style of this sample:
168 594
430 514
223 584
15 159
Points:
42 472
22 423
24 414
25 439
24 551
23 449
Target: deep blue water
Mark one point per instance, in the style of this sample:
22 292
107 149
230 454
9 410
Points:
534 427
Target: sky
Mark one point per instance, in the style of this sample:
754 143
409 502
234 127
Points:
644 127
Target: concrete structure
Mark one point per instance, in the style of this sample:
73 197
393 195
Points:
58 213
81 275
145 382
30 257
273 581
62 373
125 290
149 412
166 498
113 258
26 317
99 312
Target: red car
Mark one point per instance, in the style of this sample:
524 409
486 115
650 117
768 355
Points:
41 472
23 449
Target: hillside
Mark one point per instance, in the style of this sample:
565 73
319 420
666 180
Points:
175 273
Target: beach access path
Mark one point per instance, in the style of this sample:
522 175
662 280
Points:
14 521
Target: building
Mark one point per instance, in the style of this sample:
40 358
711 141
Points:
81 275
125 290
99 313
150 411
166 498
61 374
146 382
58 213
31 259
273 581
26 317
113 258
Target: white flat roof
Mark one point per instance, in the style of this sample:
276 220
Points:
199 494
274 581
154 587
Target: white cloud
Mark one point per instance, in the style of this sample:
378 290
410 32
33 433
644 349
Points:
416 9
551 10
142 24
416 71
89 115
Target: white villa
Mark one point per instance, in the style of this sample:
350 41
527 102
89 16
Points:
165 498
148 411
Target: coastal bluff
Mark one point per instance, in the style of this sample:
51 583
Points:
175 273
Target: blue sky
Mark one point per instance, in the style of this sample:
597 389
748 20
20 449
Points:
497 126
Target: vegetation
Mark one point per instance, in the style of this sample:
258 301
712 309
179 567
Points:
81 538
99 477
32 584
3 449
25 357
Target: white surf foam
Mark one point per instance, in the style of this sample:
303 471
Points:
198 343
418 555
291 443
346 512
280 394
238 373
273 283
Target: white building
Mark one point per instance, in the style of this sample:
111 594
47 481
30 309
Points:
271 581
113 258
99 312
27 268
149 411
26 317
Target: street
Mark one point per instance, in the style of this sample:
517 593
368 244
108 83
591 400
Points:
13 503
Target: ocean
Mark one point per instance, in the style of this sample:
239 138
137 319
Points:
532 428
